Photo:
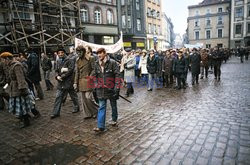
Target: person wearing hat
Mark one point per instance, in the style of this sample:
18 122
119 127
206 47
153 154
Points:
167 68
65 79
143 66
152 69
179 69
195 61
107 80
19 101
84 69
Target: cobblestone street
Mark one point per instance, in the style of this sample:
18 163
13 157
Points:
208 123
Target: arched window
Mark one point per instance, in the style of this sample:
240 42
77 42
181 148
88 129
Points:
98 16
84 14
110 17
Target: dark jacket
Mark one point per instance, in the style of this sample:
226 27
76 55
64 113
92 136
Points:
159 65
3 78
34 74
17 79
46 64
152 65
67 77
180 66
217 57
167 65
195 61
108 81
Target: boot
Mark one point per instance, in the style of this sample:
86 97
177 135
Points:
35 112
26 121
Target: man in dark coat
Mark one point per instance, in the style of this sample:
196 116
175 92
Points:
179 69
152 62
167 68
195 60
34 74
107 84
217 59
47 68
3 82
65 78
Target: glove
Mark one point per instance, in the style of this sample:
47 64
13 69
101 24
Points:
75 87
125 66
59 78
24 92
116 94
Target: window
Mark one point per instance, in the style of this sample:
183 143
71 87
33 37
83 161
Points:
137 5
149 12
220 45
220 10
22 10
129 21
108 39
84 14
197 12
153 13
239 12
248 14
98 19
208 11
109 1
159 29
197 23
197 35
208 21
208 34
219 33
110 18
238 29
138 25
158 14
248 28
122 2
154 29
123 21
149 28
208 46
220 20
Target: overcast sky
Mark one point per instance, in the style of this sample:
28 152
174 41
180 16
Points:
178 12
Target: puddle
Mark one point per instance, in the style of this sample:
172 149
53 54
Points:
58 154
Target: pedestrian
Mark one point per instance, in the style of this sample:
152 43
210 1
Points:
241 53
195 60
204 63
152 69
47 68
167 67
137 69
107 76
179 69
217 59
19 102
247 54
159 72
129 71
65 79
34 74
83 72
143 67
3 81
186 55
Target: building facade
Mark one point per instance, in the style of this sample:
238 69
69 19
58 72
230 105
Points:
167 31
155 38
209 22
132 23
99 19
240 23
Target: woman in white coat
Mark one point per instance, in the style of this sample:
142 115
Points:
129 72
143 67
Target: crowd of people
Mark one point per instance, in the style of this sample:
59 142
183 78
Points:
91 78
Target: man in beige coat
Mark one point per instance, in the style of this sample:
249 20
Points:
84 70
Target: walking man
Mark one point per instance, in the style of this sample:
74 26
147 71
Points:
195 60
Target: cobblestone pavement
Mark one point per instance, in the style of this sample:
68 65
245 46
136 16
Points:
205 124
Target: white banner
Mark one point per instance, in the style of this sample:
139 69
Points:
109 48
197 45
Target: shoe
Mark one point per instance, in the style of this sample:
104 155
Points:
94 116
37 98
215 78
75 111
150 89
98 129
37 115
219 79
87 117
113 123
202 77
54 116
26 121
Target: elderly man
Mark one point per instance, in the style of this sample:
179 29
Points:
107 78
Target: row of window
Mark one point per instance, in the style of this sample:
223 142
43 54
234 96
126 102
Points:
97 15
208 11
126 23
208 34
158 2
208 21
154 29
239 12
153 13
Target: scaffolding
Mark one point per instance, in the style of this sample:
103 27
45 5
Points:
40 24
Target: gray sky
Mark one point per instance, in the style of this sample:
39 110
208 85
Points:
178 12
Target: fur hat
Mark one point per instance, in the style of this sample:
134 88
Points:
6 54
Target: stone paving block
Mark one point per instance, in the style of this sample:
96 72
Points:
218 152
216 160
231 152
202 161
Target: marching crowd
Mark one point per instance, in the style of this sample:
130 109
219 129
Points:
92 78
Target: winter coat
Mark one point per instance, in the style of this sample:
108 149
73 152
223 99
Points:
17 79
129 71
3 78
167 65
204 59
217 57
83 69
34 74
195 60
46 64
143 64
152 65
68 76
180 67
107 81
137 58
159 65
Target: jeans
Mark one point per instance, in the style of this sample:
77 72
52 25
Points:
59 99
101 116
151 80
